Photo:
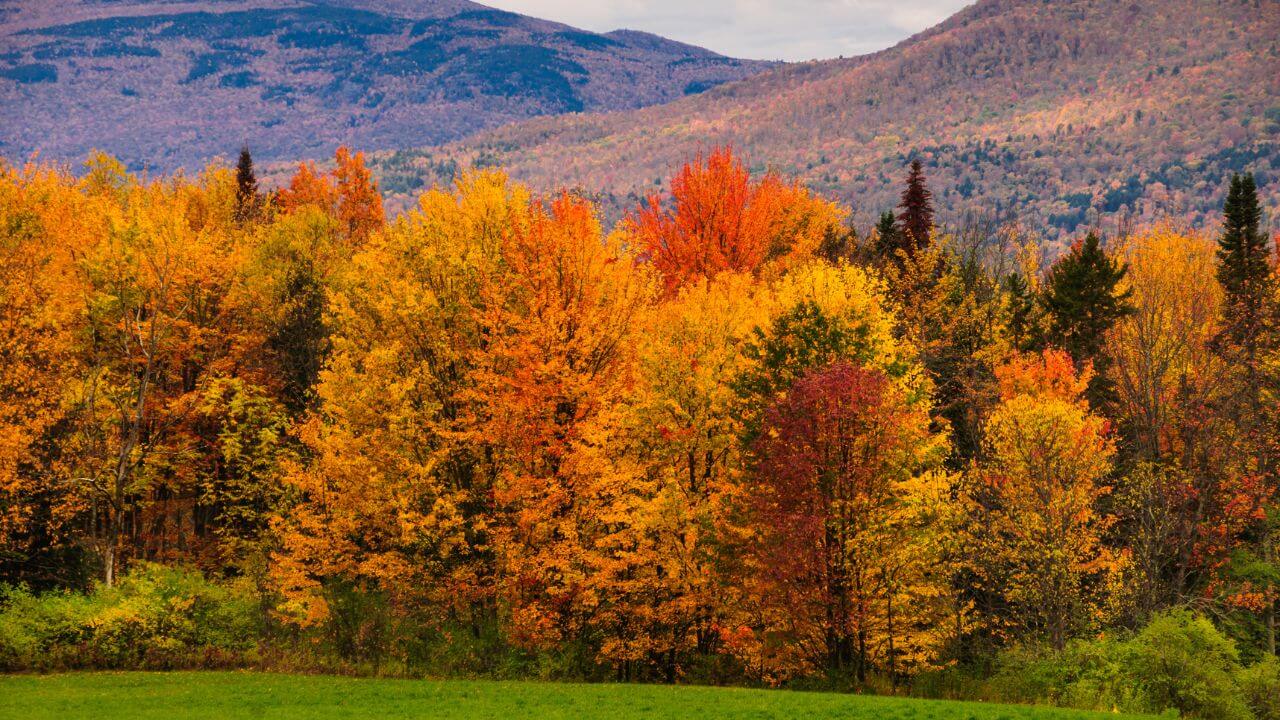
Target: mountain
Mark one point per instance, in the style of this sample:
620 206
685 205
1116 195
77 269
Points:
1061 113
169 83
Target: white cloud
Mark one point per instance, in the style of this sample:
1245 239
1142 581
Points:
763 29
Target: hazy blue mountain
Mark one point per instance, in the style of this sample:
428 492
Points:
175 83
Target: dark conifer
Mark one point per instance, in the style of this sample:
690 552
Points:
1082 302
916 216
1248 338
1023 331
887 241
301 338
246 186
838 244
1243 268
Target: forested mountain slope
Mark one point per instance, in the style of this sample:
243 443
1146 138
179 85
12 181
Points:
167 84
1060 112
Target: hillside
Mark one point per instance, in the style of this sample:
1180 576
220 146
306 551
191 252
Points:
176 83
1062 113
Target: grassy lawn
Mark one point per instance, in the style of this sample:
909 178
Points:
106 696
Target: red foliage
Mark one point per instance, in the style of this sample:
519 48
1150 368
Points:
832 455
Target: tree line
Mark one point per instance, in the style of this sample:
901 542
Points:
731 436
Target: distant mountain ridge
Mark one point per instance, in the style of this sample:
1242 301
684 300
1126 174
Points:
171 84
1060 113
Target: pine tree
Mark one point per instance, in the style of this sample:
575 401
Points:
1246 342
887 239
1023 333
1082 302
1243 269
916 218
246 186
301 336
838 244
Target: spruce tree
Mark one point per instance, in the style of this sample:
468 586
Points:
1243 269
301 336
246 186
1082 302
838 244
887 238
1022 327
1247 340
916 218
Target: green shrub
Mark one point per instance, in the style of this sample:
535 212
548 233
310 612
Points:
1178 662
1182 661
1261 687
155 618
30 626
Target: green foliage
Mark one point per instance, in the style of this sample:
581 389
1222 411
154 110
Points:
1181 661
240 483
1178 662
156 617
1261 687
802 338
1083 300
886 240
1243 262
1022 322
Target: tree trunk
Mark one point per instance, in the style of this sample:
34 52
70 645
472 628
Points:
893 666
1271 597
109 563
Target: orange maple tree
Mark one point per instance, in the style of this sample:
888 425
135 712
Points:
722 220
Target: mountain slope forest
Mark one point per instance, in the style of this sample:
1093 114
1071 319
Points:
725 441
1057 113
174 84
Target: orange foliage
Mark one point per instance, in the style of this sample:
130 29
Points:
349 194
308 186
360 204
1051 374
488 414
722 221
562 321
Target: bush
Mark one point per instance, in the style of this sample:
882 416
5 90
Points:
1178 662
1182 661
155 618
1087 674
1261 687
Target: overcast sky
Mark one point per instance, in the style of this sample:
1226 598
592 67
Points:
760 29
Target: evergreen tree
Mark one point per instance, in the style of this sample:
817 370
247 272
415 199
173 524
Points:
1082 301
1247 340
887 237
838 244
246 186
1021 323
1243 268
301 339
916 218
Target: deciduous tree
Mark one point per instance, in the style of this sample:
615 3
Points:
839 559
721 220
1036 499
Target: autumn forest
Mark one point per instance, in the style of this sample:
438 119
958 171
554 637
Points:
732 439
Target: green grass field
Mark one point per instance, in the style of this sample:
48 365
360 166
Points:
226 696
